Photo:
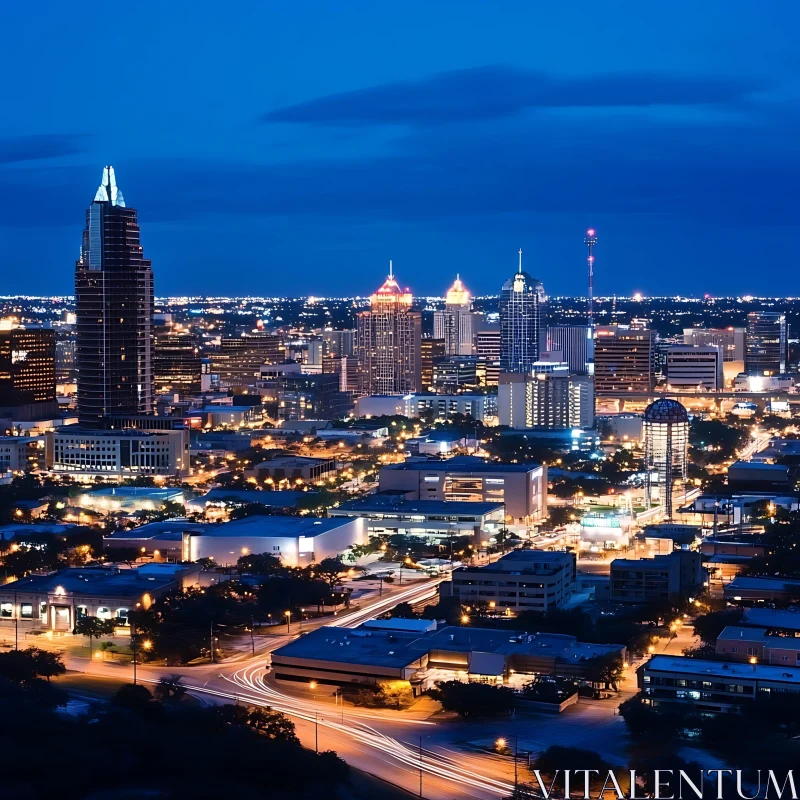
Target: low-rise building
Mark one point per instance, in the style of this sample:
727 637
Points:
296 541
435 520
676 576
758 476
755 645
21 453
294 468
761 590
217 503
712 685
110 499
776 622
523 580
481 407
522 488
56 601
126 453
336 656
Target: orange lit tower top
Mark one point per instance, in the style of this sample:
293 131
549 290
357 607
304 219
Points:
458 294
390 293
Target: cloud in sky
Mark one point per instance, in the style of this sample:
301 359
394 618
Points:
14 149
497 91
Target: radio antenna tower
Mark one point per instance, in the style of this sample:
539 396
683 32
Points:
590 240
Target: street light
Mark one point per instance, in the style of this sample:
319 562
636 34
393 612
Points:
288 615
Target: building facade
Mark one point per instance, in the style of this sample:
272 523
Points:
676 576
114 311
455 323
766 351
522 321
487 348
388 342
575 343
178 364
623 359
695 367
27 373
431 351
239 358
521 487
481 407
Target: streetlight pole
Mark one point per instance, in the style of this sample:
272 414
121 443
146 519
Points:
316 731
212 641
133 647
420 766
288 615
16 622
252 635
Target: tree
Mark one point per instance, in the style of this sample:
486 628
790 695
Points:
170 687
403 611
46 663
93 628
561 515
709 626
25 667
137 698
473 699
260 564
272 724
608 669
329 570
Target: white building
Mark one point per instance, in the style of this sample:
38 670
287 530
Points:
297 541
125 453
482 407
549 397
695 367
575 343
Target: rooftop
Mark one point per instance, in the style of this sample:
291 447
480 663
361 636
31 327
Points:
736 632
388 504
259 525
461 464
720 669
262 498
773 618
168 530
400 649
761 583
525 561
100 581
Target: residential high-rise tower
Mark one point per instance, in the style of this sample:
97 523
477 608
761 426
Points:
114 310
388 342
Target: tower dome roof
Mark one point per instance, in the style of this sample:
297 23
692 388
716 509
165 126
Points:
665 410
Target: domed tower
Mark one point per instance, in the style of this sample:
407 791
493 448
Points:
522 321
388 340
666 442
454 324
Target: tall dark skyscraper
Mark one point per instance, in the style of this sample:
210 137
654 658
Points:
766 343
114 308
522 321
27 372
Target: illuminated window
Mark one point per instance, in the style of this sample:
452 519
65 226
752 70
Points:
6 610
26 610
103 613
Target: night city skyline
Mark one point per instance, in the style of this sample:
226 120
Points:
444 146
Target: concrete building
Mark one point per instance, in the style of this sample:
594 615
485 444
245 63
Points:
455 323
56 601
758 476
575 343
217 503
481 407
521 487
126 453
294 468
712 685
761 590
388 342
695 367
676 576
730 340
177 363
21 453
549 397
297 541
452 374
431 350
776 622
337 656
436 521
755 645
239 358
623 359
487 348
523 580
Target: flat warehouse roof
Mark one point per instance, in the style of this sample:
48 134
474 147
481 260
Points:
719 669
388 505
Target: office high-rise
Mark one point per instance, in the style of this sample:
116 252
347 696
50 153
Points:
487 348
114 309
576 345
455 323
431 350
27 372
623 359
766 344
388 342
522 321
177 363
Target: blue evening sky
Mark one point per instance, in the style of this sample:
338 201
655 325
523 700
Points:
295 147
